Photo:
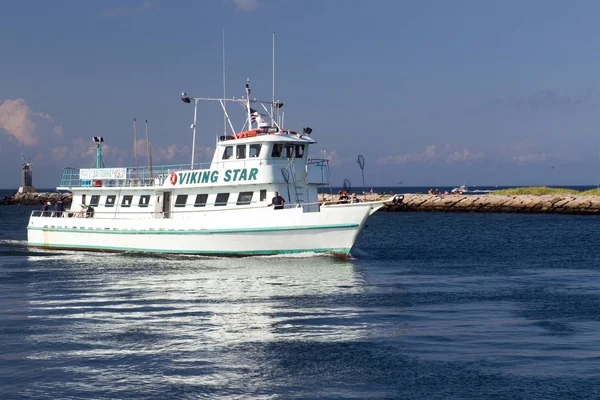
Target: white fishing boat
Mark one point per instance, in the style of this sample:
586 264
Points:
221 208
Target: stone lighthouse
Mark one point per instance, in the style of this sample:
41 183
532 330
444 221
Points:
26 178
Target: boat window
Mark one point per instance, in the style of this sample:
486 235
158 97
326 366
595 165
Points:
299 150
181 200
201 200
244 198
277 147
126 202
110 201
83 196
289 150
144 200
263 194
222 199
254 150
228 153
240 151
95 200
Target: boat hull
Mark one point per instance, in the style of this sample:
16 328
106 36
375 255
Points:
331 230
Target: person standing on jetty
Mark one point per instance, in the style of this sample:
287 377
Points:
277 201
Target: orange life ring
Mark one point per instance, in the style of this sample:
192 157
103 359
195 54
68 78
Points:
173 178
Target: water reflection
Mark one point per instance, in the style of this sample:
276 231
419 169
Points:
202 319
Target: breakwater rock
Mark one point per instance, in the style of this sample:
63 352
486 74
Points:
546 204
32 199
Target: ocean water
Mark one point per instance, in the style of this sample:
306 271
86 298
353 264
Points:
430 306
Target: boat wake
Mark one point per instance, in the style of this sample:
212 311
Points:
18 248
13 243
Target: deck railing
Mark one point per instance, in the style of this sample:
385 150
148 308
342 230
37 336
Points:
141 176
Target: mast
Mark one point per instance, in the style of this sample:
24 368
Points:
135 154
148 150
99 162
224 95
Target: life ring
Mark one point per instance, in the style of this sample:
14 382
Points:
173 178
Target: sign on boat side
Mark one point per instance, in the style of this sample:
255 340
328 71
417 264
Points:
213 176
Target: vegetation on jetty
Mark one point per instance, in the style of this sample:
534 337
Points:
543 190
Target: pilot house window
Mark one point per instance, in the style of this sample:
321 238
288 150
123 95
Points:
277 148
254 150
289 150
227 153
240 151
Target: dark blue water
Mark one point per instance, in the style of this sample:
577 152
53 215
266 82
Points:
432 306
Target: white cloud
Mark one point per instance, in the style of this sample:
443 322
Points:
527 153
464 155
19 121
80 152
415 157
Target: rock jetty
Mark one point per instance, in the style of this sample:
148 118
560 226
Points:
545 204
32 199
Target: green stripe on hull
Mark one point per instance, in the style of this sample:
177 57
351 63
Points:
105 231
343 251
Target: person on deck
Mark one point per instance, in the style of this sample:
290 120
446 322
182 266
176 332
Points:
46 209
278 202
59 208
343 198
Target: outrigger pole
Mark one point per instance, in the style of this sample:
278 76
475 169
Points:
273 98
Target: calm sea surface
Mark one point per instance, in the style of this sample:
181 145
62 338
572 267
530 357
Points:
431 306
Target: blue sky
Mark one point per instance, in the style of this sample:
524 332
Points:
429 92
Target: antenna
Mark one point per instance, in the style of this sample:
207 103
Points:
224 95
248 104
135 154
